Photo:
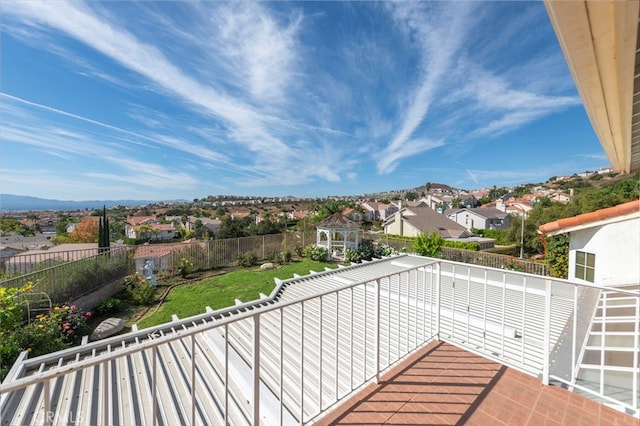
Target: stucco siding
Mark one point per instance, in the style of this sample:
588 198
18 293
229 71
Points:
617 250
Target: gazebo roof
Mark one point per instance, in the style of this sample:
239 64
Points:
337 220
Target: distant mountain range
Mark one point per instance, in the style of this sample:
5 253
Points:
15 203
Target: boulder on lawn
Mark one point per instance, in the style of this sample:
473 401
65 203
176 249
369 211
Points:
266 266
107 328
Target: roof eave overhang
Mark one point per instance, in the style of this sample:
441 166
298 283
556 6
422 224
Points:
599 41
635 215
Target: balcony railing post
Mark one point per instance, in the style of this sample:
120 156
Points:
636 361
574 338
193 379
438 291
154 386
48 418
302 363
546 355
226 374
377 335
256 369
281 389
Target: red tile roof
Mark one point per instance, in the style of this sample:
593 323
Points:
584 219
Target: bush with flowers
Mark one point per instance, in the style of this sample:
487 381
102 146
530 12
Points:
71 321
56 330
139 289
184 266
514 265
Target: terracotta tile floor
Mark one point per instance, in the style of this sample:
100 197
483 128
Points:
445 385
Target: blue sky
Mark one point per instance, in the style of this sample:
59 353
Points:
179 100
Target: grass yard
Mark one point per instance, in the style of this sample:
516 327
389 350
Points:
221 291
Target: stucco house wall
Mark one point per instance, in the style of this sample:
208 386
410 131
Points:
397 226
617 249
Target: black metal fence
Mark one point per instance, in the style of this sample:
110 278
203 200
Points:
77 277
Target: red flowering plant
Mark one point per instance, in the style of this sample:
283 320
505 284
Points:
514 265
70 320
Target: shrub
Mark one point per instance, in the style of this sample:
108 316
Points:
317 253
556 255
385 250
41 337
299 251
248 259
367 252
497 234
143 294
138 289
514 265
428 244
108 306
11 306
11 314
70 320
50 332
352 256
132 281
462 245
184 266
284 257
272 256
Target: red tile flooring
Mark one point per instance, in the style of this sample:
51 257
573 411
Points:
445 385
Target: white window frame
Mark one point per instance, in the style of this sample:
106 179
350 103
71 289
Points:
585 264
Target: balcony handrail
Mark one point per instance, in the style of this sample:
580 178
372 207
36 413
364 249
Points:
442 312
178 334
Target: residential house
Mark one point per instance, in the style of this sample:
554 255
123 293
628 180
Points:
47 225
513 206
604 245
378 211
7 252
298 214
177 221
417 203
213 225
480 218
468 200
147 227
560 197
411 222
352 214
437 202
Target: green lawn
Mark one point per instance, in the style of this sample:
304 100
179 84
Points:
221 291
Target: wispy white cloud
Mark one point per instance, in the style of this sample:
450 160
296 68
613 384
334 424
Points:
594 156
259 46
79 21
438 36
268 94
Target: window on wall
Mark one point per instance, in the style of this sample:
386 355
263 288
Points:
585 265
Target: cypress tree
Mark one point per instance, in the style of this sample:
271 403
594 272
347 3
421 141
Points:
103 232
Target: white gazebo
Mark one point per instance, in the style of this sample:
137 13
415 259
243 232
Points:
338 233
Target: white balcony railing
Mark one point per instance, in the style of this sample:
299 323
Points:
289 358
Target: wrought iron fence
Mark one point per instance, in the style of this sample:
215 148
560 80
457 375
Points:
74 278
481 258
